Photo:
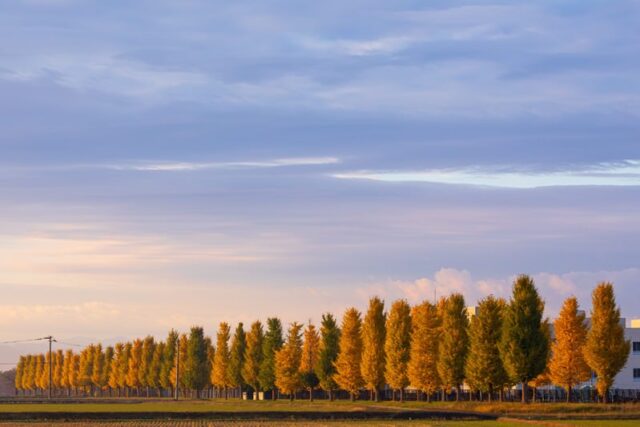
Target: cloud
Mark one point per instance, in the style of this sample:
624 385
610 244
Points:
625 173
553 288
194 166
106 72
382 45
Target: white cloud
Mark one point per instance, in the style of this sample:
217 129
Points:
625 173
375 46
554 288
195 166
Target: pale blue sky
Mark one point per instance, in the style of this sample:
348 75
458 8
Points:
167 163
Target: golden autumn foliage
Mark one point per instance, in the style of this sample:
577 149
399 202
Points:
288 359
397 346
373 354
424 346
253 356
568 366
220 373
423 359
606 350
348 375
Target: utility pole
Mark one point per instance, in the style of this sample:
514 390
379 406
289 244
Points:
177 367
50 339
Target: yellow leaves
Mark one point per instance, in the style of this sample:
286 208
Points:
288 361
568 366
220 372
348 375
397 344
422 368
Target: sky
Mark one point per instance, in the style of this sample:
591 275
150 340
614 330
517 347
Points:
166 164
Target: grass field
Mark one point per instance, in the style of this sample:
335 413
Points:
240 413
233 405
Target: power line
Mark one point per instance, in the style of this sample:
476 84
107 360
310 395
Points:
68 343
23 341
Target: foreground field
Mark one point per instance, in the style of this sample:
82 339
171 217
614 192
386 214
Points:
232 405
498 423
320 413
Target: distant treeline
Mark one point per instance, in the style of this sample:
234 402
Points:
433 348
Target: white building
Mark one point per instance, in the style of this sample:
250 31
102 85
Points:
629 377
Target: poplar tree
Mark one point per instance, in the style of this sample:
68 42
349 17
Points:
348 375
67 367
86 367
236 358
397 346
28 382
329 349
183 344
20 369
309 362
271 343
524 346
115 365
288 362
58 363
196 370
220 374
123 368
484 369
423 360
606 351
148 347
74 375
98 366
156 368
568 366
169 360
373 343
44 378
106 369
454 343
135 360
253 358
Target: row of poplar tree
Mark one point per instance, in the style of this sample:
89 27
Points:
433 348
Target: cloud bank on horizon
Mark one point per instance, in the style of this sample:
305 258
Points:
232 160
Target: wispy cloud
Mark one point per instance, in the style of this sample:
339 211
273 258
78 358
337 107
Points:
625 173
195 166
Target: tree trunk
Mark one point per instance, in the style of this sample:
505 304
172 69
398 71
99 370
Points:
311 394
401 395
569 394
524 392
